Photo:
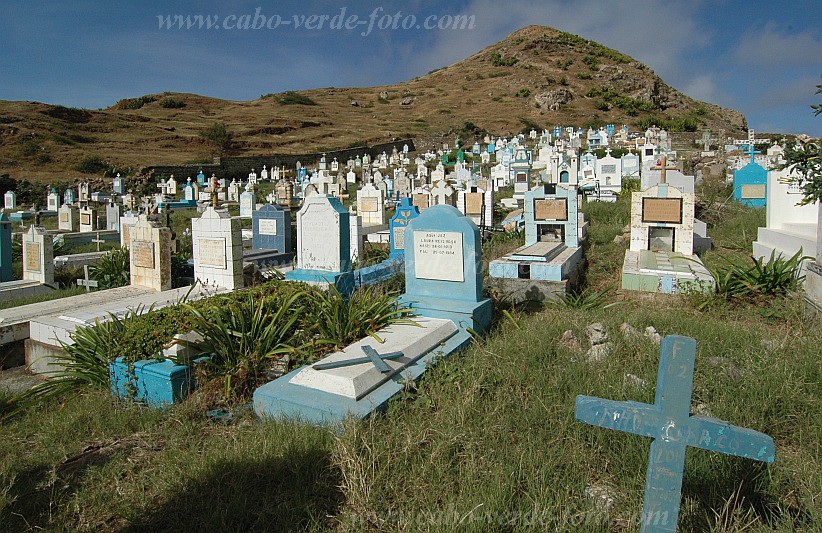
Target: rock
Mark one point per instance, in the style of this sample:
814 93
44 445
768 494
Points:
599 352
407 101
601 497
652 335
553 100
626 228
728 367
628 330
384 95
620 239
635 382
355 103
569 340
596 333
771 345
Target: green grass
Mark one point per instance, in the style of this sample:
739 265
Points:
487 441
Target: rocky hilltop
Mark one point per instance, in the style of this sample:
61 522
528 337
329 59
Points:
536 77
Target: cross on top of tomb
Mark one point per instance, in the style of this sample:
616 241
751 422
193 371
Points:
669 423
377 359
662 165
441 192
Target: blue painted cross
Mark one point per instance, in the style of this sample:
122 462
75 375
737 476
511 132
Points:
378 360
668 422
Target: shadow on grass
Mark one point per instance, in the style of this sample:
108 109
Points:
740 491
296 492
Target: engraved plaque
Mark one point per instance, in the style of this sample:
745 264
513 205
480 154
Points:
64 217
421 201
551 209
368 204
142 253
399 237
211 252
267 226
125 230
522 177
32 259
753 192
85 219
438 255
473 203
667 210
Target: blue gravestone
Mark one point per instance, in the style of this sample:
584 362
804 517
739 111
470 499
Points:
69 196
750 182
669 423
271 228
5 247
201 179
443 268
406 212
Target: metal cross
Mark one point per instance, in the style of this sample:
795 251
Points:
378 360
668 422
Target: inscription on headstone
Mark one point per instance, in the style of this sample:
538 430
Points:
753 191
551 209
267 226
143 252
369 204
438 255
667 210
32 259
85 219
64 217
211 252
421 201
474 203
399 237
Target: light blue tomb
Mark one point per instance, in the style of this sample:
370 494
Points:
751 183
406 212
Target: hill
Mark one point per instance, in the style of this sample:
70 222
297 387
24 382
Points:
536 77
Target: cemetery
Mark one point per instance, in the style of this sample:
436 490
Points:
570 325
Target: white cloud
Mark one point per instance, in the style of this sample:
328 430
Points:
771 47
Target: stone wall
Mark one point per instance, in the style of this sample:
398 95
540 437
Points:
239 167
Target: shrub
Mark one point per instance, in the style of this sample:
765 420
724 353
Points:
245 336
218 136
341 321
295 98
591 61
135 103
523 93
111 270
773 277
92 164
584 75
498 61
564 63
171 103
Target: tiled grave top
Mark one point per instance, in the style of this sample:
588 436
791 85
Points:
663 262
541 251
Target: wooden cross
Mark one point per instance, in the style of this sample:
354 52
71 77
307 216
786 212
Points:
86 282
662 165
378 360
669 423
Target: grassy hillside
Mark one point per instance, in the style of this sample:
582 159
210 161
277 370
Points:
537 77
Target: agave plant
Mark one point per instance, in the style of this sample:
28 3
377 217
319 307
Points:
84 364
112 269
341 321
587 299
777 275
244 336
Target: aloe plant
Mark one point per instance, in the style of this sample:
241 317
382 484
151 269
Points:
112 269
341 321
245 335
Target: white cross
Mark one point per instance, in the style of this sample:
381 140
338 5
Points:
441 192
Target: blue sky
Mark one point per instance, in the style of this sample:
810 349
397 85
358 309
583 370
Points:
761 58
